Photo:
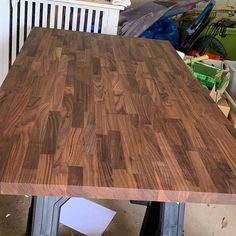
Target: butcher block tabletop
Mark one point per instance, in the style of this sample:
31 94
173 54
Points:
112 117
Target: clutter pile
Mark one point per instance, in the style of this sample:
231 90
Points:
206 43
215 76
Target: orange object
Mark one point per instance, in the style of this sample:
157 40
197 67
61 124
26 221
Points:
210 55
201 58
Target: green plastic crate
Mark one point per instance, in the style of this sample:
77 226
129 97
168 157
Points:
229 43
207 75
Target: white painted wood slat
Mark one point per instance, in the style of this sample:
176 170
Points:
29 17
81 22
89 20
4 39
104 22
37 13
45 14
67 18
75 18
96 21
59 17
52 16
110 22
92 4
22 23
14 34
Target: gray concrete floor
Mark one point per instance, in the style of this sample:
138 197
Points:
200 219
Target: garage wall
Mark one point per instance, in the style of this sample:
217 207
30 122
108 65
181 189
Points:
137 2
226 3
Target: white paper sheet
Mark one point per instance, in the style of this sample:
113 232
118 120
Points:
181 54
86 216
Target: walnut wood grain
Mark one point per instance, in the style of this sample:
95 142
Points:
111 117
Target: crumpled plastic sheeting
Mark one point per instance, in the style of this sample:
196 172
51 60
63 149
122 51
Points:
133 22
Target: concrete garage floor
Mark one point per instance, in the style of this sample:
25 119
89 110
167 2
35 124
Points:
200 219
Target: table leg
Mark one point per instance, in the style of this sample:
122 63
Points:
163 219
44 215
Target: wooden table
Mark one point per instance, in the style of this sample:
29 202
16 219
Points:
110 117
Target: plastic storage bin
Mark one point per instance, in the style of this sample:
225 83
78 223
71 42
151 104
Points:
229 43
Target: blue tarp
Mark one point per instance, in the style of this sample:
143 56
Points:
164 29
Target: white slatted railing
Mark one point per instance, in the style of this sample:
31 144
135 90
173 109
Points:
73 15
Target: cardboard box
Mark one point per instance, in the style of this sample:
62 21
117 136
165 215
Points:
224 106
232 118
